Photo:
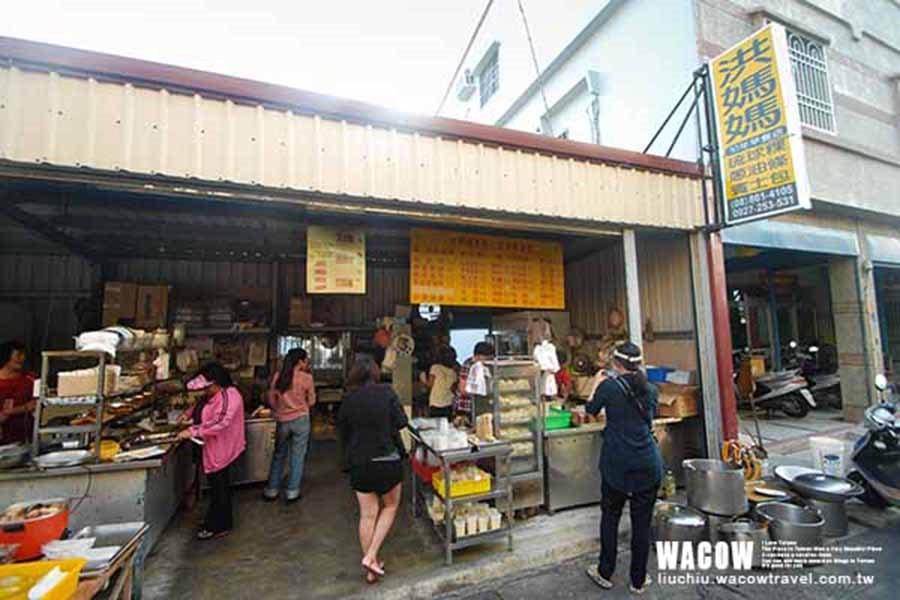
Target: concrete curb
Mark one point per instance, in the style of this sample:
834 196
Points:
542 543
485 570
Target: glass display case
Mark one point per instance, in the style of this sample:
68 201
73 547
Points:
519 420
329 353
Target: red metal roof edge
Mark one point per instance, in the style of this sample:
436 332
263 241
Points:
40 55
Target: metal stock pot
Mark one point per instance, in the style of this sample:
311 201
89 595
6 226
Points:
678 523
714 486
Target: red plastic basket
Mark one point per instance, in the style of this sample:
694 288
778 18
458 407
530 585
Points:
423 471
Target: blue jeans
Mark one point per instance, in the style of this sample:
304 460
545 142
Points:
291 438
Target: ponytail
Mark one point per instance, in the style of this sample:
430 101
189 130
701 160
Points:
629 357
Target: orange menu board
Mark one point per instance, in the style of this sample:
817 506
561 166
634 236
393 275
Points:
335 260
461 269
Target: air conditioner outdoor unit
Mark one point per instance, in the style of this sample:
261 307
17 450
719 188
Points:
465 87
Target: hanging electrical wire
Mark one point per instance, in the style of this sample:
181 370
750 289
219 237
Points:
462 59
537 69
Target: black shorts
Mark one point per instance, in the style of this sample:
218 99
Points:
376 477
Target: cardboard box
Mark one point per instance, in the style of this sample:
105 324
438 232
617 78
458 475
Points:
119 302
152 306
300 311
83 382
682 377
677 400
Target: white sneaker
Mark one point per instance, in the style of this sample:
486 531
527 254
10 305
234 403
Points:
593 572
643 588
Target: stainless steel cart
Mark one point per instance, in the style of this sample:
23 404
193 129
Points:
501 488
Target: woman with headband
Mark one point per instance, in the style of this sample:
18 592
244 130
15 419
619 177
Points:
630 464
218 419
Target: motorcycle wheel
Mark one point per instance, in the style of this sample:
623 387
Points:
869 497
795 406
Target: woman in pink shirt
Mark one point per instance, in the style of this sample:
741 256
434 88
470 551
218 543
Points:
293 393
218 419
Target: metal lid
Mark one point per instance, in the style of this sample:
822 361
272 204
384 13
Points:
679 514
787 473
826 487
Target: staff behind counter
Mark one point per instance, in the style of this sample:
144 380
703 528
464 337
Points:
16 394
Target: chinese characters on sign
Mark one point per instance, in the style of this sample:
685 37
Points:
335 260
460 269
761 160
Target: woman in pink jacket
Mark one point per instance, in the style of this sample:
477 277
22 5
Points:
219 424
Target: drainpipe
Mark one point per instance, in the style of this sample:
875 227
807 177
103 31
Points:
722 331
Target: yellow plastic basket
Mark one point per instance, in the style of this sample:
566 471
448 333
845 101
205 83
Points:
63 590
461 488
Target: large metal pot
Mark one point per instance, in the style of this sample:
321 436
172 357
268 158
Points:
715 486
745 530
792 523
678 523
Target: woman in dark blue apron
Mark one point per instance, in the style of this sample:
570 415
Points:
630 465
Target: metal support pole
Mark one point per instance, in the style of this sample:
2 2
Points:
669 116
632 288
722 331
706 343
773 315
712 147
684 121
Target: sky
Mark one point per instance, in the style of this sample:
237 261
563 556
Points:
396 53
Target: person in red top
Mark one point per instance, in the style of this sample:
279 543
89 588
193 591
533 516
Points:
16 394
563 378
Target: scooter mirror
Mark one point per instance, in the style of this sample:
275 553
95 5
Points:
881 382
813 349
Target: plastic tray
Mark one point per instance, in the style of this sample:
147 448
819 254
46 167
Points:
63 590
462 488
557 419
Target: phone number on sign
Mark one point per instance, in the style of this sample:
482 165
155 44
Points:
762 202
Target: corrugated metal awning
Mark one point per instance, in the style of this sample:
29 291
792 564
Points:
792 236
99 115
884 250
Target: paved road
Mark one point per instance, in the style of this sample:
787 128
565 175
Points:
567 580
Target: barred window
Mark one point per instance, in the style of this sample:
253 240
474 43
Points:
810 70
489 78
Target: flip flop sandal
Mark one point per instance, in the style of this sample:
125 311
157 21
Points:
374 569
205 534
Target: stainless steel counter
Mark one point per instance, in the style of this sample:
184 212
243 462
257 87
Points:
35 473
573 458
253 465
145 490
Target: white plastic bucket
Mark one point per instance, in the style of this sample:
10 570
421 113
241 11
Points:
822 447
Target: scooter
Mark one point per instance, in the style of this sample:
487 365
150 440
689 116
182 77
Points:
777 390
876 455
824 386
785 391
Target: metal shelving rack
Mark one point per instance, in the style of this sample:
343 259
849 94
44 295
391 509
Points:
94 400
515 385
501 488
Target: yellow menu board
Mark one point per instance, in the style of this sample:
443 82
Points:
335 260
461 269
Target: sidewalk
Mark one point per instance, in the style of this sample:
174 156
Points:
310 549
568 580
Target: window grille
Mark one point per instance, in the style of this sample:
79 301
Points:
489 79
810 70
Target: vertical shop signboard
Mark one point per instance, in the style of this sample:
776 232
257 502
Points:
335 260
762 167
461 269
